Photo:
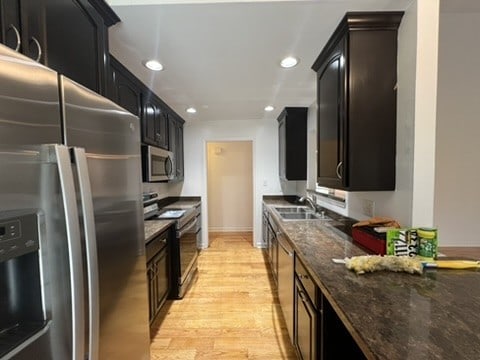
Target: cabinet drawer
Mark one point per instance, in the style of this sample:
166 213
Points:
156 245
305 279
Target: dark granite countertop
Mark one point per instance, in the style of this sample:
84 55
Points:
155 227
391 315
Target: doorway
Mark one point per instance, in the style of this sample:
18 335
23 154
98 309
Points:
230 186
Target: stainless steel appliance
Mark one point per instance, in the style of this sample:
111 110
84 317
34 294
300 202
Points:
157 164
183 250
72 253
285 280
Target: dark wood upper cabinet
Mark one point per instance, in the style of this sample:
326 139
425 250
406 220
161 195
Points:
292 143
124 88
356 98
154 121
175 129
130 93
22 24
77 40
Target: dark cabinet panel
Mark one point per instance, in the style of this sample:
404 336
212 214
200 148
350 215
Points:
307 337
330 144
356 98
175 128
69 36
305 324
158 272
23 27
124 88
154 122
77 40
292 141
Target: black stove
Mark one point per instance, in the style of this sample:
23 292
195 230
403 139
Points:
183 249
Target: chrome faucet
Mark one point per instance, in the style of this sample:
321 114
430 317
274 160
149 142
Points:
309 202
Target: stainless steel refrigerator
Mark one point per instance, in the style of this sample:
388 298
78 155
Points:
72 256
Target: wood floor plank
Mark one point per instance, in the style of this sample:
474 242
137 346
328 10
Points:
230 312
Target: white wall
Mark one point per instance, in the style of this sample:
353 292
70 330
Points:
230 186
457 198
265 162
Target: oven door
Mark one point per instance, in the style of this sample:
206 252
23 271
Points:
188 253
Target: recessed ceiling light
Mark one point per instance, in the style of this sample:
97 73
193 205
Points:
269 108
191 110
154 65
288 62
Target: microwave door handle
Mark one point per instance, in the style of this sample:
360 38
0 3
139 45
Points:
169 166
91 251
74 250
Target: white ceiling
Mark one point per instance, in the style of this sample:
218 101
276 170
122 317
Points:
222 57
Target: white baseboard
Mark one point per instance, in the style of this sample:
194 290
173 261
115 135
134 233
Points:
230 229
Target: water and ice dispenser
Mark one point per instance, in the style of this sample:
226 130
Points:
22 310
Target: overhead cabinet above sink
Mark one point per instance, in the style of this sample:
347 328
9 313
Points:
356 97
292 141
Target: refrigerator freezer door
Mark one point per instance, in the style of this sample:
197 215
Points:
29 102
111 139
32 183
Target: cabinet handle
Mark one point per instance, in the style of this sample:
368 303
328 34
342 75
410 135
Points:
303 276
302 295
39 48
338 170
17 35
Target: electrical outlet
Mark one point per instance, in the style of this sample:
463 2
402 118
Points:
368 207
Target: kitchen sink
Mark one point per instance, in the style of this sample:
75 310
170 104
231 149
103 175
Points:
293 209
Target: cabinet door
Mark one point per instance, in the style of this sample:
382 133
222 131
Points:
77 42
151 276
10 24
175 144
23 27
330 152
161 279
292 143
128 95
305 324
148 123
282 134
179 154
161 122
154 123
33 19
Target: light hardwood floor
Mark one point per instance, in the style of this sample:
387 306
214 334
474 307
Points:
229 313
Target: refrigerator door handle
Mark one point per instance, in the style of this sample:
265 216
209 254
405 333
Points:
74 250
91 251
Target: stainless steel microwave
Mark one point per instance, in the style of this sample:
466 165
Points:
157 164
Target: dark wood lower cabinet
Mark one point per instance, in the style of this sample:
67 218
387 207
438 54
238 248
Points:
306 324
318 331
157 273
